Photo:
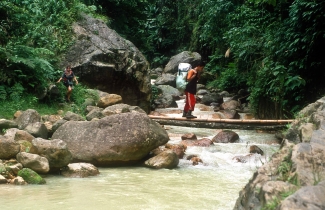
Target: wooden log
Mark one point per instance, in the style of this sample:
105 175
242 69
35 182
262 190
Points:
223 123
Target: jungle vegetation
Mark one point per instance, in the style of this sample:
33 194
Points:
276 46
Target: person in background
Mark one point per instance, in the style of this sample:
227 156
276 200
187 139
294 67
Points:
190 90
68 77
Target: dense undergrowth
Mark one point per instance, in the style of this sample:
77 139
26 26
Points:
276 47
50 104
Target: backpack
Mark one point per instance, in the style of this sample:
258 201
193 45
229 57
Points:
181 78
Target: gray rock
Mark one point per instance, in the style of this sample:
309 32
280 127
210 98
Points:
300 160
121 108
18 181
79 170
169 90
35 162
309 197
55 151
70 116
18 135
115 139
225 136
166 79
27 117
95 113
202 92
165 101
105 61
230 105
3 180
57 124
166 159
193 58
37 129
6 124
212 97
9 148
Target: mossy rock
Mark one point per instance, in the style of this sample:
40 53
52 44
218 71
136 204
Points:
25 145
31 177
2 169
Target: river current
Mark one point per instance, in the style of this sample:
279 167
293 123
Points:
213 184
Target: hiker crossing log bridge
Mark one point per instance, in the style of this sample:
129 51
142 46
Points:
223 123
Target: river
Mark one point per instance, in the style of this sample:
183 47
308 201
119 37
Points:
212 185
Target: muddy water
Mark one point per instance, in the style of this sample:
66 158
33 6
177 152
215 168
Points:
213 184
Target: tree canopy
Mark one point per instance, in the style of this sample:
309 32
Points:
276 47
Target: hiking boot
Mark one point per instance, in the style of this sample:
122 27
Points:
184 114
189 115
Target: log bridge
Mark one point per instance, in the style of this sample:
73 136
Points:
241 124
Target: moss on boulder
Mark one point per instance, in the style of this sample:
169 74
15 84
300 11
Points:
31 177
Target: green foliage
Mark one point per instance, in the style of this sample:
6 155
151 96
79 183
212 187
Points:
276 47
275 202
47 107
34 35
230 79
285 167
3 93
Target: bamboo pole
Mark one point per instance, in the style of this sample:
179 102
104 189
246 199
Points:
236 121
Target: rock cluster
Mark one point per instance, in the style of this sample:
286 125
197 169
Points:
295 176
74 145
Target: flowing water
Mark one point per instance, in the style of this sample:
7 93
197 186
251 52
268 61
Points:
212 185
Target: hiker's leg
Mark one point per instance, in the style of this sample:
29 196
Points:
187 100
69 93
191 101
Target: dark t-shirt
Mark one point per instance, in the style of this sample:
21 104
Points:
191 86
68 79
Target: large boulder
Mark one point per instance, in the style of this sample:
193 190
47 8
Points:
6 124
37 129
9 148
193 58
309 197
105 61
300 162
27 117
169 90
212 98
165 101
18 135
35 162
55 151
166 79
115 139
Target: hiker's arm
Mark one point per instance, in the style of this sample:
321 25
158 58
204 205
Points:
191 75
75 79
59 80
